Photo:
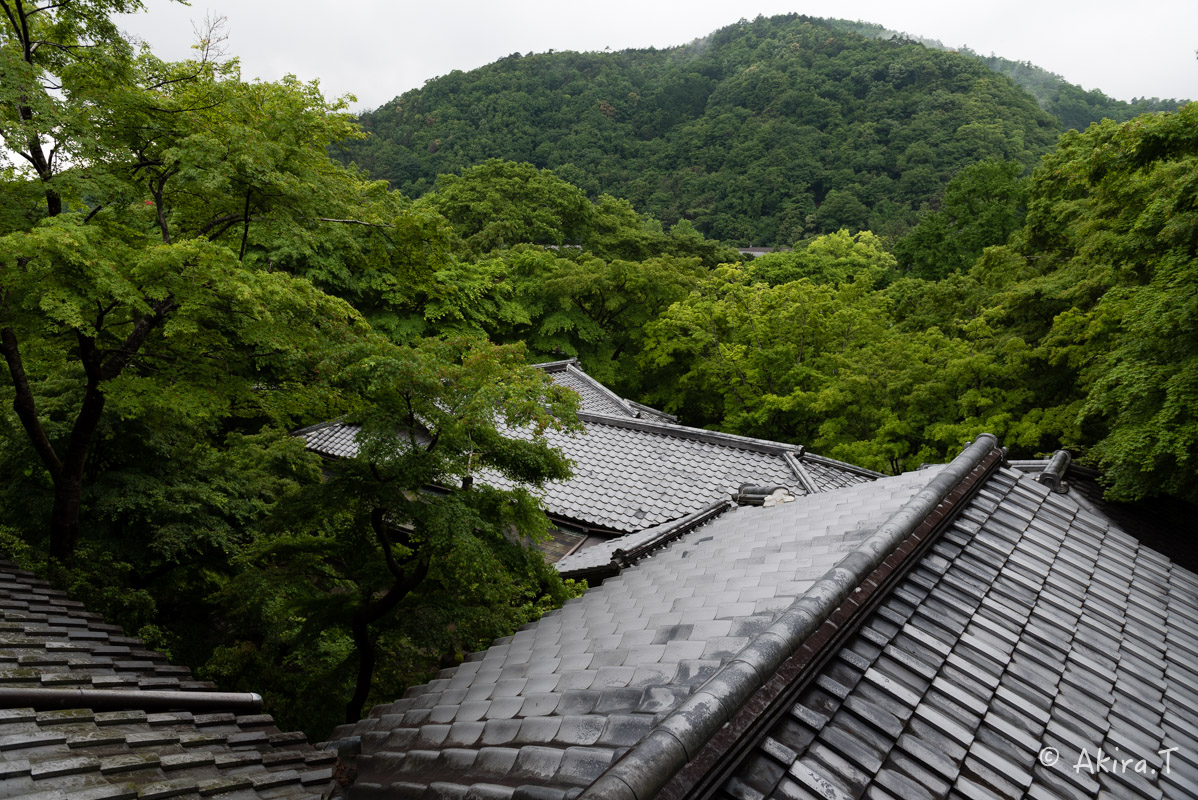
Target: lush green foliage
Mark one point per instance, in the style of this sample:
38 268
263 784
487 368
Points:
186 276
768 131
1074 106
177 266
820 355
1109 255
1054 311
982 206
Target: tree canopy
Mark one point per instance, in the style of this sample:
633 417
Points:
765 132
187 277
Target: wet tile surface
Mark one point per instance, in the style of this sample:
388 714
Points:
1033 623
49 641
570 693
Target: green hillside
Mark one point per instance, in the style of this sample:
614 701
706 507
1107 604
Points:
1074 106
765 132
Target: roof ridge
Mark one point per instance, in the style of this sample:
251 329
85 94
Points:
688 432
832 462
651 410
662 535
555 366
653 761
328 423
800 472
574 369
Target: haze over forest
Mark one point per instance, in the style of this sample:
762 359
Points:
193 266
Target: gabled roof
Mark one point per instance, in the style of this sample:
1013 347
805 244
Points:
87 713
632 474
559 702
597 398
923 636
634 468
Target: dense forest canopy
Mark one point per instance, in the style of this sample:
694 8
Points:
1074 106
187 276
765 132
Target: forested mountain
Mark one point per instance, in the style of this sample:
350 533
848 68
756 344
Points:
1074 106
765 132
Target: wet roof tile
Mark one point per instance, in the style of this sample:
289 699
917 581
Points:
643 661
85 755
1002 690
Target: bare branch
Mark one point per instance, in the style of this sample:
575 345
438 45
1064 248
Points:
8 12
180 110
146 323
217 221
378 521
355 222
380 226
245 230
211 36
182 79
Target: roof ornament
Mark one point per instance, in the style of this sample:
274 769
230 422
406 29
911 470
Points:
1053 475
750 495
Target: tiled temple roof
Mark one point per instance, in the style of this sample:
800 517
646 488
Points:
923 636
635 469
53 652
565 697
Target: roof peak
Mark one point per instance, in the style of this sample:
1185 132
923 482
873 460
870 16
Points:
652 762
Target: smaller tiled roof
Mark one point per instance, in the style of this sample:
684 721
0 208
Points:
52 651
596 398
79 754
635 468
49 641
601 557
633 474
827 474
334 439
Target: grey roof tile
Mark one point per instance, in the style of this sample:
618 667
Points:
79 753
641 653
634 474
1012 633
582 765
596 398
1035 638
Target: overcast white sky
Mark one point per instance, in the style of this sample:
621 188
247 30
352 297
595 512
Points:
376 49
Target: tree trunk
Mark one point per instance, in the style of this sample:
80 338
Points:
64 517
365 647
360 629
68 482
